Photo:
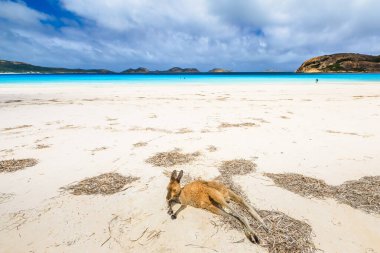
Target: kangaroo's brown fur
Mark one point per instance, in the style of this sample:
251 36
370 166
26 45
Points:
210 195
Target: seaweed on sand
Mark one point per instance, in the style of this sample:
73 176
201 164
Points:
285 234
14 165
302 185
363 193
172 158
104 184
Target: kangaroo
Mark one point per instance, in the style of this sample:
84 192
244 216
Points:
212 196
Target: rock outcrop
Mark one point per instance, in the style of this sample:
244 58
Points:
342 63
218 70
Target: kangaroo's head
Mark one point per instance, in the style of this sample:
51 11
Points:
174 188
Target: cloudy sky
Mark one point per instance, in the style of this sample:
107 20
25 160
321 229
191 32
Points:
242 35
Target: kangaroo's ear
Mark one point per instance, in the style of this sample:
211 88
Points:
180 176
173 176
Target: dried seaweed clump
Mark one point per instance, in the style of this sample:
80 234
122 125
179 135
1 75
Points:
16 127
104 184
212 148
237 167
245 124
42 146
184 131
140 144
286 235
363 194
4 197
172 158
14 165
304 186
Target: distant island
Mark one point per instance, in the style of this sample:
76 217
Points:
219 70
25 68
142 70
14 67
341 63
135 71
177 70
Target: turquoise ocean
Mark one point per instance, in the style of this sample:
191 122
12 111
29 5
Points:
198 78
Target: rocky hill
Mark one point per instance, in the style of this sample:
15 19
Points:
181 70
343 63
174 70
25 68
135 71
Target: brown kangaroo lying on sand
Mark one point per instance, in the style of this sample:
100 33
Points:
209 195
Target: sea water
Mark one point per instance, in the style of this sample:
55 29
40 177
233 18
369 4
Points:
189 78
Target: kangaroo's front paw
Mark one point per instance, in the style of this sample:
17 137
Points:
174 217
170 212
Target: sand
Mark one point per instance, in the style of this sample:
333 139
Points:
326 131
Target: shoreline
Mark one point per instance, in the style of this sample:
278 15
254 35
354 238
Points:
183 84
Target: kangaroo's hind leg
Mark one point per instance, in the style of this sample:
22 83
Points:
236 198
251 235
220 201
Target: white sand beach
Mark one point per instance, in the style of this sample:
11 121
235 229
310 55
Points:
326 131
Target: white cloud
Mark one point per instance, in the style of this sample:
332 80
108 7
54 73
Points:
240 34
19 13
127 15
